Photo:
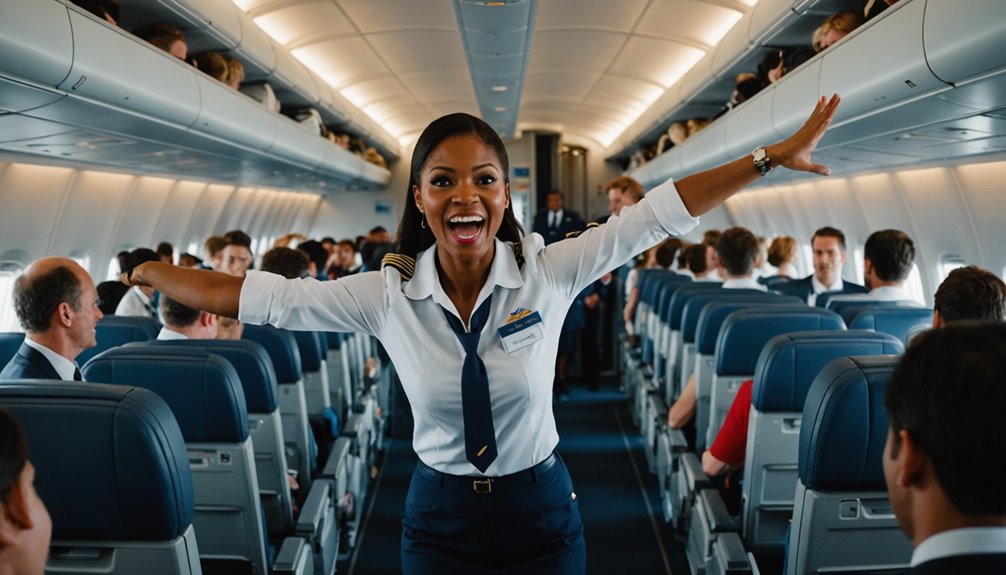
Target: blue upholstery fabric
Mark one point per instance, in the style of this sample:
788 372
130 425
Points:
789 363
110 461
695 304
311 351
716 312
9 344
333 339
116 330
844 425
897 321
281 345
249 359
744 333
676 308
203 390
850 309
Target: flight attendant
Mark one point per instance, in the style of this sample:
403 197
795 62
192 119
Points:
470 311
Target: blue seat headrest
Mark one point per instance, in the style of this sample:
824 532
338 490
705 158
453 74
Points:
249 360
844 426
744 333
202 389
9 344
696 303
789 363
281 345
676 307
311 351
116 330
897 321
110 460
716 311
334 340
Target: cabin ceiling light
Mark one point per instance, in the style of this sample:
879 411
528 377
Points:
499 88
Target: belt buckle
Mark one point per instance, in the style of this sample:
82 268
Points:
482 485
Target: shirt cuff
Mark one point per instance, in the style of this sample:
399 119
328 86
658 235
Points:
670 211
256 297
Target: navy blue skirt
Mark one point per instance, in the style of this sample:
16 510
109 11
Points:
527 522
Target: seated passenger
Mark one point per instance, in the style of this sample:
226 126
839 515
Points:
702 262
736 251
836 27
107 10
888 257
25 525
346 260
287 262
183 322
943 458
781 256
659 256
968 294
214 65
237 256
317 258
187 260
166 37
214 249
138 302
235 73
166 252
622 191
109 295
778 63
828 245
57 305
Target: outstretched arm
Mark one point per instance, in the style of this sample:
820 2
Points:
704 191
205 290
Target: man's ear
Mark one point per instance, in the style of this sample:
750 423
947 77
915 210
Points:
912 461
937 320
207 319
64 314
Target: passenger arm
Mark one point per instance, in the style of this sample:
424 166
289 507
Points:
205 290
713 466
684 408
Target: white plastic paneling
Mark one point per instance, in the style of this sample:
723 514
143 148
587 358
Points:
32 198
768 17
140 213
257 48
965 40
746 126
172 221
294 144
696 79
795 96
232 117
87 218
705 149
220 18
204 217
375 174
293 75
732 46
148 81
14 127
882 65
981 186
35 42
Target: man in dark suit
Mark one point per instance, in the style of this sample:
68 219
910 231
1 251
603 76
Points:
829 256
554 223
943 459
57 305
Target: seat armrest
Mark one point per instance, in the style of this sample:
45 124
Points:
753 564
729 555
695 477
294 558
353 425
336 458
312 513
678 441
717 517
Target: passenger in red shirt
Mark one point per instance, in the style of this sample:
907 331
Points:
731 442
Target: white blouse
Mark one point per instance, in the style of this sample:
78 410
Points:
407 317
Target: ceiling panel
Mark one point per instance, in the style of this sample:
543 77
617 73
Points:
438 85
370 91
691 20
377 16
329 60
618 16
414 50
570 86
660 61
304 21
621 87
574 50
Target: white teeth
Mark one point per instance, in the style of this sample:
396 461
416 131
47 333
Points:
466 219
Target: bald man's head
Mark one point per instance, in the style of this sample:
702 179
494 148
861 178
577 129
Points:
57 295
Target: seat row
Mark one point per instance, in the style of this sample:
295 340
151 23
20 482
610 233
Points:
245 411
798 357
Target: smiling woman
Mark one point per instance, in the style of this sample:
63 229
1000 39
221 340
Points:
470 311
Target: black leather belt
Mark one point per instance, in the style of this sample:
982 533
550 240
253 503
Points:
480 484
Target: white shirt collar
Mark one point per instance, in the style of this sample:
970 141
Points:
821 288
425 281
739 283
64 367
966 541
891 293
167 334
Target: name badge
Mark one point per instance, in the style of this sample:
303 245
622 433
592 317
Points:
522 331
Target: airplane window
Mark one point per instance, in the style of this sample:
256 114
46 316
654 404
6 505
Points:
857 260
808 260
113 269
948 264
9 271
82 261
914 284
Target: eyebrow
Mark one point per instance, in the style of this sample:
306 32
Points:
452 170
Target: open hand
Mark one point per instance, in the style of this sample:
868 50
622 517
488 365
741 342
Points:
795 151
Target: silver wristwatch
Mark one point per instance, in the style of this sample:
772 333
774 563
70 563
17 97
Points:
761 160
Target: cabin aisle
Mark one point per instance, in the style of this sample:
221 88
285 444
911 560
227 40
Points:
604 454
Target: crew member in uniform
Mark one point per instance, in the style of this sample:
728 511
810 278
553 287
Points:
469 310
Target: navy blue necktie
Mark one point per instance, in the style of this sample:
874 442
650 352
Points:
76 374
480 434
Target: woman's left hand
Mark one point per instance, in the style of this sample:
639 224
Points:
795 151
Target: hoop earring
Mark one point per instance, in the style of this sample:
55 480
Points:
422 220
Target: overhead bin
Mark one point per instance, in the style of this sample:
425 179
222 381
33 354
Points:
732 47
794 97
768 18
745 127
148 81
707 148
207 24
36 49
293 80
256 50
233 119
294 144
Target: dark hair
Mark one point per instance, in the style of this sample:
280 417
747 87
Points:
829 232
378 230
100 8
948 393
121 258
328 240
140 256
13 454
348 243
165 249
213 64
412 236
109 295
892 254
710 237
696 256
177 314
160 35
214 245
782 250
36 298
737 249
971 293
667 250
287 262
316 252
238 238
